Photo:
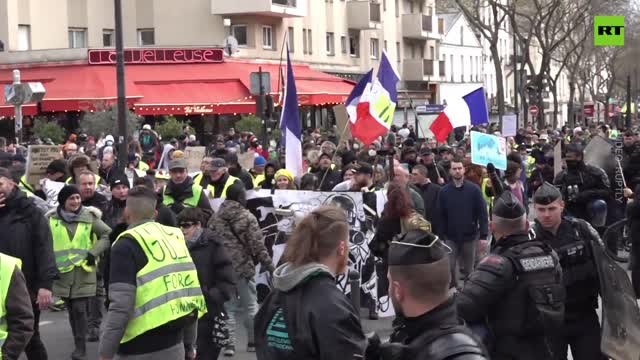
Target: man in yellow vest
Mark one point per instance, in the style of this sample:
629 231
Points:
16 327
181 192
153 288
221 180
202 177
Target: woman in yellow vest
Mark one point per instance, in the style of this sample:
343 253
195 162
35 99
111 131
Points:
79 237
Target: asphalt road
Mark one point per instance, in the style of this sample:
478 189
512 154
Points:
56 334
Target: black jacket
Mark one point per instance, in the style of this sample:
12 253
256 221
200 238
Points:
430 193
19 317
331 179
436 335
244 176
25 234
214 267
592 182
219 185
98 201
113 213
314 320
633 216
518 292
181 192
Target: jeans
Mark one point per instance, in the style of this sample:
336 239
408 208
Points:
35 349
463 254
244 304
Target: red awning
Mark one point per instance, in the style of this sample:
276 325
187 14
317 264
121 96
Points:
9 110
172 88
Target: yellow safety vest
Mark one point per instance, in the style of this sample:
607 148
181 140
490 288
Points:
71 253
7 267
198 178
258 180
24 185
487 199
230 181
167 286
531 164
143 165
190 202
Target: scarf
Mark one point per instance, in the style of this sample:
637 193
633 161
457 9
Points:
194 237
69 216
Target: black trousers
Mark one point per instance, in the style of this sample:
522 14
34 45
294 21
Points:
583 336
78 319
35 349
206 349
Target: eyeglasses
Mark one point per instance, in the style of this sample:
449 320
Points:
186 225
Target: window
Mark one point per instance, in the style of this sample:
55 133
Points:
310 41
107 37
452 67
397 2
461 35
354 44
432 53
343 44
413 51
398 51
411 7
305 45
385 45
290 39
77 38
331 47
267 37
462 68
24 37
375 50
240 33
146 37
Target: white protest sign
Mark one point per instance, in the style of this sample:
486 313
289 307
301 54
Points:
246 160
38 159
194 156
509 125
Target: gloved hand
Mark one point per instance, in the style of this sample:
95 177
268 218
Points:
91 260
373 346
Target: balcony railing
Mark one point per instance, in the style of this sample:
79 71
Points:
427 67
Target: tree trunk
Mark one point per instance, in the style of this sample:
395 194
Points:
572 91
499 82
554 93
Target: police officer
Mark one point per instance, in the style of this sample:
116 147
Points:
221 180
586 188
572 239
517 289
153 288
181 191
429 328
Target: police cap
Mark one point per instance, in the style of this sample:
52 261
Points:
546 194
416 247
507 206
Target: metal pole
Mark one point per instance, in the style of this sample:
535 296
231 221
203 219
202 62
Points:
515 78
122 99
628 122
263 100
18 108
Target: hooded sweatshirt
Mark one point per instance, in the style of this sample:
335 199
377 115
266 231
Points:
326 325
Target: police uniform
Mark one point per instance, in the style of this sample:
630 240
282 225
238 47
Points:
573 244
516 291
437 334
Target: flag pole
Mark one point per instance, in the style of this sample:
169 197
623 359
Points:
333 157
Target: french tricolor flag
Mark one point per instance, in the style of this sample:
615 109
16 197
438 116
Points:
471 109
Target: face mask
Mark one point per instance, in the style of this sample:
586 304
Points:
572 164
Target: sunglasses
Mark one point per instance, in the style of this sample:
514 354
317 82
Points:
186 225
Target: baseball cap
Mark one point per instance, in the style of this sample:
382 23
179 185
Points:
363 168
426 152
146 127
216 164
177 164
544 137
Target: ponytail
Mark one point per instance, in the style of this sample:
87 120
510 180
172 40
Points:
317 236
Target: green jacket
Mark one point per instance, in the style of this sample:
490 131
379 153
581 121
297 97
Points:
79 283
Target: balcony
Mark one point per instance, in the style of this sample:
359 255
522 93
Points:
272 8
421 27
423 70
363 15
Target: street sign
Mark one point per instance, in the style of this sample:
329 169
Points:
255 83
533 110
589 110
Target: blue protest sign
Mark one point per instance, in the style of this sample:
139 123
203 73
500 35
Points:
487 149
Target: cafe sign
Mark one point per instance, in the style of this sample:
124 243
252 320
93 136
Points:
158 56
198 109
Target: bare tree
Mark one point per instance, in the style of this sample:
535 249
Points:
489 29
546 24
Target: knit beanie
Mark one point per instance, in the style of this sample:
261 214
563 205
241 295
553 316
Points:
66 192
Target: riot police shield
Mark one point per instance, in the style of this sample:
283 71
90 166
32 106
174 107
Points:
620 312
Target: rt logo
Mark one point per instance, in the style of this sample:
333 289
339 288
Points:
608 31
